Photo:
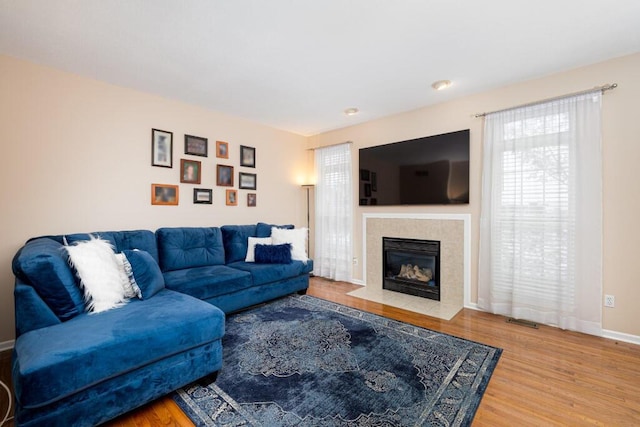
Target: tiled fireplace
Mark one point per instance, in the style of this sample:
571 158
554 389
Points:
450 230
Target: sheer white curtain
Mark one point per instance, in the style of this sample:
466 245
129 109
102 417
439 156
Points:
333 212
541 219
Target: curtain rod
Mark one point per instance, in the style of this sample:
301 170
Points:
330 145
602 89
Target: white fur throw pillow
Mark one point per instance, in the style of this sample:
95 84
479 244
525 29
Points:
298 239
97 268
251 247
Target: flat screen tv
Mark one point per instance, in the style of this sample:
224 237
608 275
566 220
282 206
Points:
433 170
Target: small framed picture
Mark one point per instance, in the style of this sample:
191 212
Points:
232 197
164 194
224 176
367 190
190 171
247 156
248 181
251 200
196 146
364 175
161 148
374 181
222 149
203 196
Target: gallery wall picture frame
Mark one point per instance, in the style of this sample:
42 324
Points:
222 150
161 148
247 156
232 197
196 146
252 200
224 176
203 196
190 171
364 175
248 181
165 194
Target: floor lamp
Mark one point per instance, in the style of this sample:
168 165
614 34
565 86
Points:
308 188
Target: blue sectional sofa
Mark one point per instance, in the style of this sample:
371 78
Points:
72 368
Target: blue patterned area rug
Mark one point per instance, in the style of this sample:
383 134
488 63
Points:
303 361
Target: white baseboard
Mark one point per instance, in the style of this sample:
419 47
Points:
357 282
621 336
7 345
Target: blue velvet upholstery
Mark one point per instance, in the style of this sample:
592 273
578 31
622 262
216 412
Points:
273 273
264 230
259 294
207 282
43 264
94 348
146 272
91 368
185 247
144 240
236 241
273 254
125 392
31 311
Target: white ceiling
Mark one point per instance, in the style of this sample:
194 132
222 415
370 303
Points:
296 65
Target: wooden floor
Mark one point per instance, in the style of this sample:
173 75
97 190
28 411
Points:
545 377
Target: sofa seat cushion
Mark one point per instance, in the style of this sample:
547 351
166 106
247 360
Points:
208 282
58 361
187 247
263 274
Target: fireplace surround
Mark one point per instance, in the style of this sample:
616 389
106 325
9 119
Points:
452 230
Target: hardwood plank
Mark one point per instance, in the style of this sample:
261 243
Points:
545 376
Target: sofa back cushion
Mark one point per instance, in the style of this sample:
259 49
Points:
187 247
143 240
43 264
236 240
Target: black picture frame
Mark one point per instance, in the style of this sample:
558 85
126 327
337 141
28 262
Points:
161 148
367 190
247 156
196 146
202 196
224 176
248 181
374 181
364 175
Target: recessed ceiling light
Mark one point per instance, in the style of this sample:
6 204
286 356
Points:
351 111
441 84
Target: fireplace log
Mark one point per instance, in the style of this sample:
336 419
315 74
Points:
408 271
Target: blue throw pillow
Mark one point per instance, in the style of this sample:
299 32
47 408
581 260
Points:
146 271
43 264
273 254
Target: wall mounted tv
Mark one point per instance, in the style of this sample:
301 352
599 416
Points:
433 170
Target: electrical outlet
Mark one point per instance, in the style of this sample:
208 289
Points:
609 301
355 261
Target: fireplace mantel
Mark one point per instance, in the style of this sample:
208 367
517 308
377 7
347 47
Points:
422 226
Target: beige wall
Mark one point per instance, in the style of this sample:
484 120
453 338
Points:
621 152
76 157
